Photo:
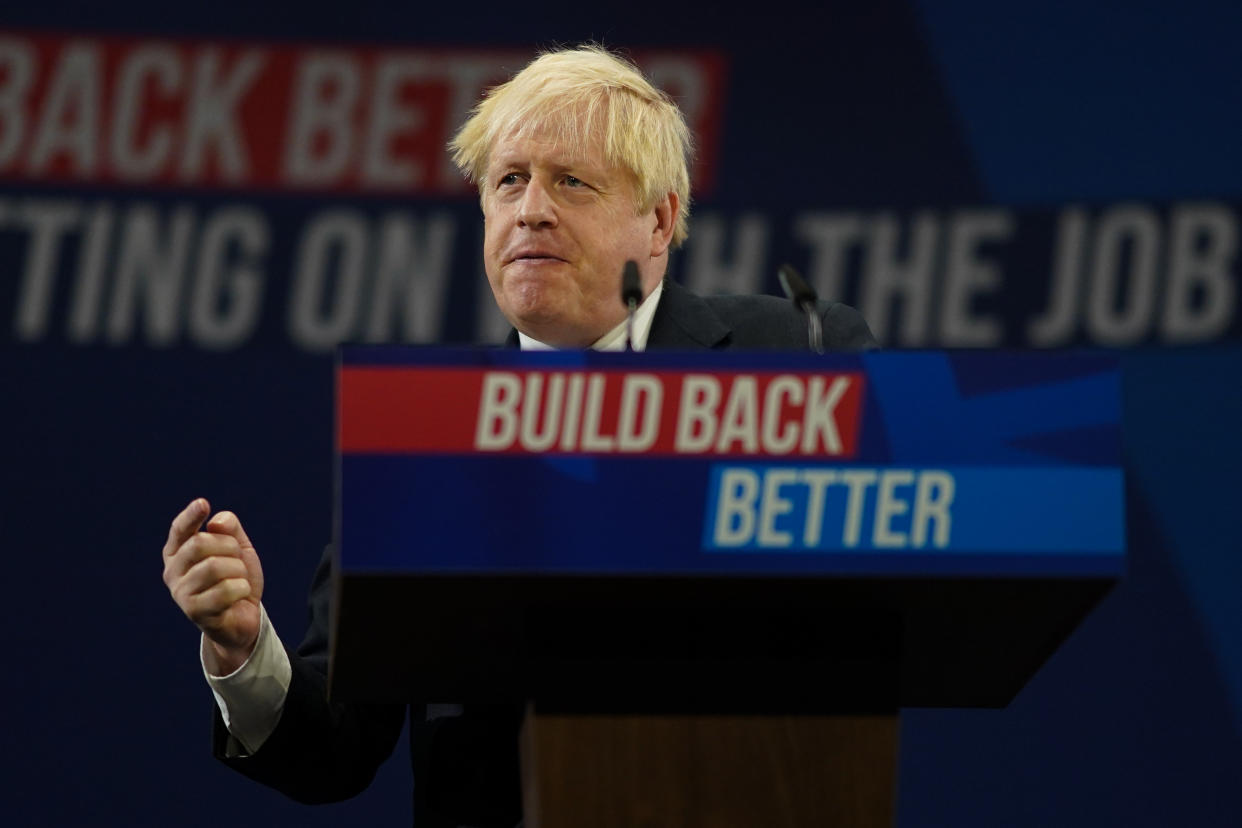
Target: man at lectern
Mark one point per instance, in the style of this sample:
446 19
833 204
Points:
582 166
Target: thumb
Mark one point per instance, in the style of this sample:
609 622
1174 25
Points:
226 523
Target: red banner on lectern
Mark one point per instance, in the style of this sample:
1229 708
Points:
523 411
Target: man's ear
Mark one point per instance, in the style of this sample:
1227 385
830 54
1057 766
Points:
666 212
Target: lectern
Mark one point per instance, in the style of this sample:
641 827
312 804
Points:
715 579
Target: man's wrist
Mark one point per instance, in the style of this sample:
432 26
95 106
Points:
220 661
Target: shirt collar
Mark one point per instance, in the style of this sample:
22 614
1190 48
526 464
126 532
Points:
614 340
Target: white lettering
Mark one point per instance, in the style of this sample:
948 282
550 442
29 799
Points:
592 438
696 415
967 274
212 124
48 221
639 391
819 422
468 78
740 420
335 237
327 88
888 506
159 66
831 236
533 403
151 266
1058 324
87 307
776 440
497 423
70 118
1202 296
1121 302
858 481
17 65
784 507
817 481
932 498
709 270
573 413
411 278
890 278
229 268
389 117
773 506
735 507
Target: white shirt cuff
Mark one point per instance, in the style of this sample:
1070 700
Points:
252 697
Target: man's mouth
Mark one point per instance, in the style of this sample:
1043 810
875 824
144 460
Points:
534 256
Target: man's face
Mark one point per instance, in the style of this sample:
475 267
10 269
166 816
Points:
559 230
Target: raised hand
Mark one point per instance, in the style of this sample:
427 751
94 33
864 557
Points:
215 577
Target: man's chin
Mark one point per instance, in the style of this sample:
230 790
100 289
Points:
540 309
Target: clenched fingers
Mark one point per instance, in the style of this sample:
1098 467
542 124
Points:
197 548
209 572
215 599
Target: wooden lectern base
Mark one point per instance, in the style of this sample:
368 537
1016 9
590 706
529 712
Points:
582 771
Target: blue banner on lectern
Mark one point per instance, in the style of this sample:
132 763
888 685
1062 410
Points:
890 463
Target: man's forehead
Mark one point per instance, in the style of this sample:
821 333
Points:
549 144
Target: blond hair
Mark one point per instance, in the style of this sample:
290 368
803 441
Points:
573 95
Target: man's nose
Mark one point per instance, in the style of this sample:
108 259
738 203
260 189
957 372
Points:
537 208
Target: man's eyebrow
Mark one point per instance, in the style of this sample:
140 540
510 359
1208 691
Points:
579 166
506 161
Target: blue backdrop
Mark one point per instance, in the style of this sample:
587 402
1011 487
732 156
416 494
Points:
968 174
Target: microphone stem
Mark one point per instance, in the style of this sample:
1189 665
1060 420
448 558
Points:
631 307
814 328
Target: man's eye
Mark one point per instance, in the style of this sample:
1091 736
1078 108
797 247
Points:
508 179
571 181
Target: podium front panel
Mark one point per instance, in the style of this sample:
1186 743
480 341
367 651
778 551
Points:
835 522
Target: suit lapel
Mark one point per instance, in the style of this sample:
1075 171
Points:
683 320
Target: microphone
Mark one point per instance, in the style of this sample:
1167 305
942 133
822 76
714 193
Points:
631 297
805 299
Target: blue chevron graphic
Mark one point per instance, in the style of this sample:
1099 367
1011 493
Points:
992 428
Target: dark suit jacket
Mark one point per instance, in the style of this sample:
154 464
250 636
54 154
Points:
466 763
